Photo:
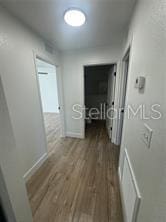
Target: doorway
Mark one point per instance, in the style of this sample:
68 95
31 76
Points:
48 89
98 93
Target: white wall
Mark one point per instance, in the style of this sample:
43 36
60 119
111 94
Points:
48 88
148 58
17 70
73 81
12 185
5 200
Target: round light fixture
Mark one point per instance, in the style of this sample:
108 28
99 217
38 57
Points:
74 17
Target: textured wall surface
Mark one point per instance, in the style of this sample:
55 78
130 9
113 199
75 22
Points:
73 81
12 186
148 58
18 74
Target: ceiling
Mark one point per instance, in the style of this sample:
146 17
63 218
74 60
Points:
107 20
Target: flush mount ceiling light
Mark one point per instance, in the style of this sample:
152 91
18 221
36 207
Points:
74 17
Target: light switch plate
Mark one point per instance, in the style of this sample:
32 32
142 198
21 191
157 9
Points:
147 135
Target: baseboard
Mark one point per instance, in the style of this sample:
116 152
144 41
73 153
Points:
35 167
119 174
121 195
74 135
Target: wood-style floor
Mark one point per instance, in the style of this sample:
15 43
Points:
53 129
78 182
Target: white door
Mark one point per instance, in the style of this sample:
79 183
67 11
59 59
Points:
110 100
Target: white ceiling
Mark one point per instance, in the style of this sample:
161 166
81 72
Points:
107 20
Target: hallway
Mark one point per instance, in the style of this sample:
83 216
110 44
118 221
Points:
79 181
48 51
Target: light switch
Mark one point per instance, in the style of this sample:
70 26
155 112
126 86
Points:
147 135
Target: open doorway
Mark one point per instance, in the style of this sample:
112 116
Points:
98 94
48 88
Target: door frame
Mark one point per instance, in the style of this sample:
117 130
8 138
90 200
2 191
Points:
110 134
123 83
59 89
83 89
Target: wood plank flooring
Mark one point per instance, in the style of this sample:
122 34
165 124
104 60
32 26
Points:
78 182
53 129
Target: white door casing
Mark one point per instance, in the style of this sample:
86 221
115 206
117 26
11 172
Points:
111 100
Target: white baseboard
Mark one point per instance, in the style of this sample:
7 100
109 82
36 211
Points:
119 174
74 135
35 167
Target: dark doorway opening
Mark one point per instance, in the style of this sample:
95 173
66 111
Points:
97 88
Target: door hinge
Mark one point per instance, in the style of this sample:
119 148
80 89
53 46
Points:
113 103
114 73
